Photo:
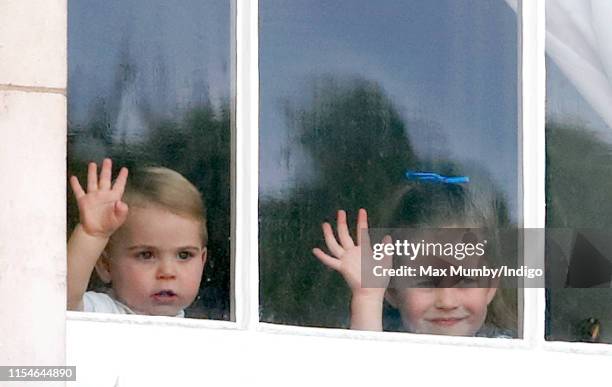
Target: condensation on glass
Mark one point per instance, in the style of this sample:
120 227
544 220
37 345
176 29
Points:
150 85
579 166
352 95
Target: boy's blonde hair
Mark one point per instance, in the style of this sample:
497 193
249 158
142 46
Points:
168 189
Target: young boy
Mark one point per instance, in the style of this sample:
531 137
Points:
146 238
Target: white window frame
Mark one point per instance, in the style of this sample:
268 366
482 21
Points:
531 95
260 350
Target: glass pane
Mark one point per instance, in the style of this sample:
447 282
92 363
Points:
579 167
150 86
353 94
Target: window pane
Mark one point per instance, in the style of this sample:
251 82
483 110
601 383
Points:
579 167
149 86
352 95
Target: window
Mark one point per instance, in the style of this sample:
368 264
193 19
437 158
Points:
148 91
354 94
578 138
156 351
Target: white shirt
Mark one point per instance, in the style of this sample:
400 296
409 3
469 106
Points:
105 303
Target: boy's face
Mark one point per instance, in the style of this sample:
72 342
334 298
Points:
444 311
155 261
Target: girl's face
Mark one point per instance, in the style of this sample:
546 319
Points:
443 311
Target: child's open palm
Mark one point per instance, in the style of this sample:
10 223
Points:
346 255
101 211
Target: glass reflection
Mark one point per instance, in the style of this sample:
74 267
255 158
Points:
353 94
579 162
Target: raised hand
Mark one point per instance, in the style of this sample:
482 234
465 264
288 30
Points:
346 256
101 211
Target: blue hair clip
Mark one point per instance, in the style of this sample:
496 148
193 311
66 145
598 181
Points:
436 178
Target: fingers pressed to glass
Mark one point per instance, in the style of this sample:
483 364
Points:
105 174
326 259
362 228
120 182
92 177
343 231
105 181
330 240
76 187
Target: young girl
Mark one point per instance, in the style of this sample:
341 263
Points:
461 311
148 244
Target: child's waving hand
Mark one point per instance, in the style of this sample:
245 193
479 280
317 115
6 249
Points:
366 303
101 211
346 256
